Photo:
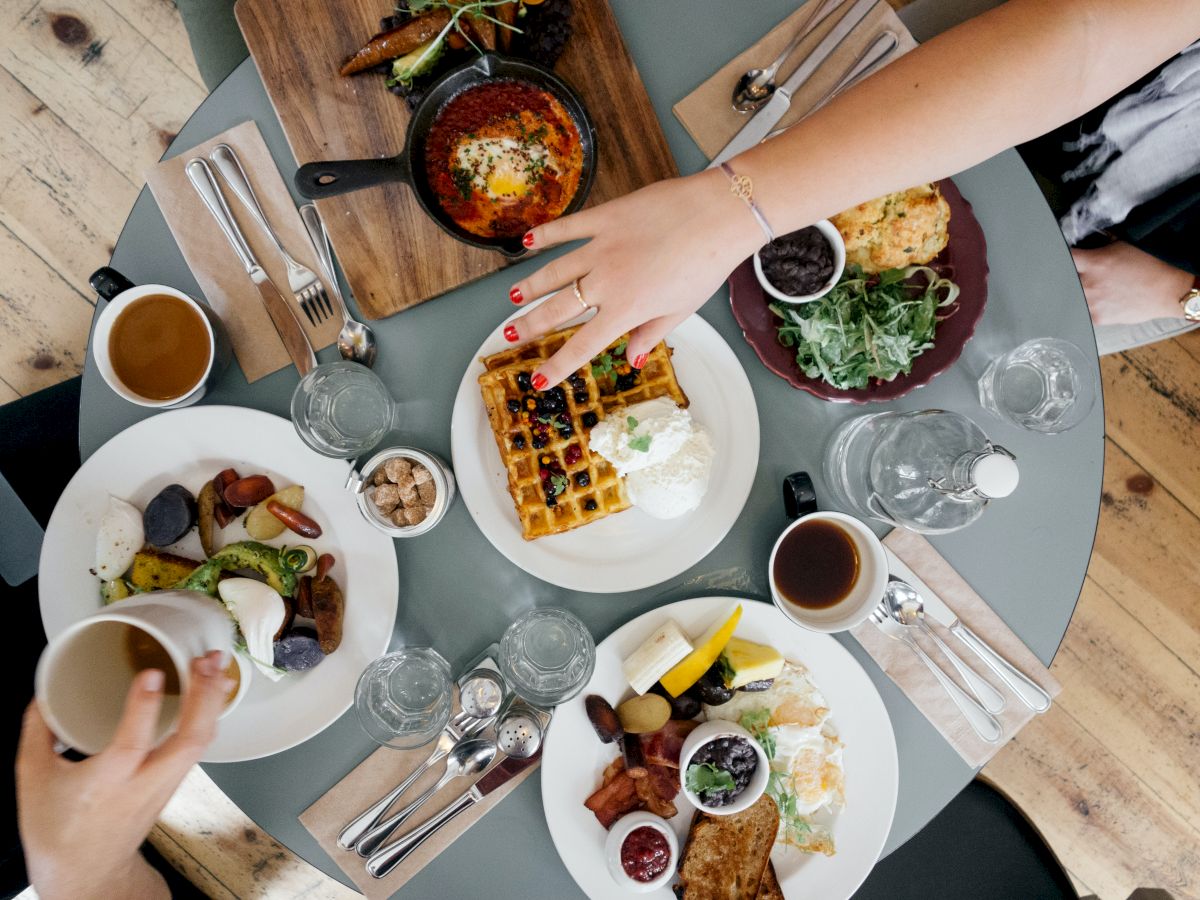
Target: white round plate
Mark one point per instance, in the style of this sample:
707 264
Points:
629 550
187 447
574 759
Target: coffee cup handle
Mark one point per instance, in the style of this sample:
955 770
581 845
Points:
108 282
799 496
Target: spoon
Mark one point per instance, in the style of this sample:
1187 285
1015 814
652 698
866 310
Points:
906 607
467 758
356 341
756 87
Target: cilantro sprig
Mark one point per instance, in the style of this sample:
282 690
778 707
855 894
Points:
703 778
868 326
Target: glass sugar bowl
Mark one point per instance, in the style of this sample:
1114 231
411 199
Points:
403 491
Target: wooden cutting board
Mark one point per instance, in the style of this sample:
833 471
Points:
393 255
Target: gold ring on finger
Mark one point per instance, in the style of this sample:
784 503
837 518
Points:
577 288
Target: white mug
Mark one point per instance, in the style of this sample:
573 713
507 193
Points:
868 588
219 351
85 673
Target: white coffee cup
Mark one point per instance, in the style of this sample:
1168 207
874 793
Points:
864 595
219 351
85 673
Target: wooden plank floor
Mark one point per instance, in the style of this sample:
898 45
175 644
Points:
90 95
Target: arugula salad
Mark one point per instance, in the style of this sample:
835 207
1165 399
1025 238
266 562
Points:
868 326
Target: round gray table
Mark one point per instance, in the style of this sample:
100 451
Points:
1027 556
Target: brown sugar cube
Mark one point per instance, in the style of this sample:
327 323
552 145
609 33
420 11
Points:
421 474
427 492
414 516
380 477
397 468
408 494
386 497
398 518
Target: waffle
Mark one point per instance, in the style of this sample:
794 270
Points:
598 389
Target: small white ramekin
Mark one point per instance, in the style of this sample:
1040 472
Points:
708 732
838 246
616 838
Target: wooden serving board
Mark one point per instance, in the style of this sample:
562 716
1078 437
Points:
393 255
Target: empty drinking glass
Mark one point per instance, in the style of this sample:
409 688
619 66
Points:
547 656
342 409
403 699
1044 385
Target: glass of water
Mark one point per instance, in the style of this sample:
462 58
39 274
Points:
403 699
342 409
547 656
1044 385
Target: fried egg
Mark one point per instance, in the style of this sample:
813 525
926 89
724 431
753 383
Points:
807 753
501 168
119 537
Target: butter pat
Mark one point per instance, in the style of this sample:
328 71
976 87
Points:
746 661
657 655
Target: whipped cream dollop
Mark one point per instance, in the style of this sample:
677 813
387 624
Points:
664 456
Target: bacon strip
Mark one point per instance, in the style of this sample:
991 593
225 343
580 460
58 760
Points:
662 747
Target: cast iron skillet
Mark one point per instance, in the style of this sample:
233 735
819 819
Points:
319 180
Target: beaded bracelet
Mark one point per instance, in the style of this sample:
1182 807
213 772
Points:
741 186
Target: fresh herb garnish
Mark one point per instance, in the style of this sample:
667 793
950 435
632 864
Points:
641 443
631 422
703 778
559 483
756 722
604 364
794 825
867 327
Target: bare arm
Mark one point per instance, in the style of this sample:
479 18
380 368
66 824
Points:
654 256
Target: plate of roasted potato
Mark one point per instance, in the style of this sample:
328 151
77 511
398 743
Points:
228 502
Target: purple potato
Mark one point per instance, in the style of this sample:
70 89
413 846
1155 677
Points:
298 650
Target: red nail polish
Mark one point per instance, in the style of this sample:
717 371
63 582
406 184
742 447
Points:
539 382
510 333
640 362
516 296
528 239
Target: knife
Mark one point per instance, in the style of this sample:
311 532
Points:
384 861
763 121
1029 693
291 332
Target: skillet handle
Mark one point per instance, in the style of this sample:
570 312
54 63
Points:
318 180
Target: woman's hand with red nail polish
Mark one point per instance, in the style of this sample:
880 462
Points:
510 333
651 258
516 296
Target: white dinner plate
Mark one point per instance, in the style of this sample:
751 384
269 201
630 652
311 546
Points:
574 759
628 550
188 447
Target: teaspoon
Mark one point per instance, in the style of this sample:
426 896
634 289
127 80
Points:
755 87
356 341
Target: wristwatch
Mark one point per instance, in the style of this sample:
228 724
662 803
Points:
1191 302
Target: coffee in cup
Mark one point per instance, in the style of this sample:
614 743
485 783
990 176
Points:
154 345
827 571
85 672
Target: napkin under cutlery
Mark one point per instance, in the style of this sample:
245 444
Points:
912 558
371 779
710 118
225 284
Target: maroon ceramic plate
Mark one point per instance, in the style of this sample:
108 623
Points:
964 260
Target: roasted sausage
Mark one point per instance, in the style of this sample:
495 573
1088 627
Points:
397 42
328 608
324 563
294 519
248 491
304 597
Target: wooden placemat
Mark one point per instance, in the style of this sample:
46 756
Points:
710 118
374 777
226 286
393 255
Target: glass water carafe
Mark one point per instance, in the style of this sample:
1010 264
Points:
931 470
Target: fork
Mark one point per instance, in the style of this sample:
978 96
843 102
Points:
306 287
983 722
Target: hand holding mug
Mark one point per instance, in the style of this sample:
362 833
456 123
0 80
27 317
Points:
82 823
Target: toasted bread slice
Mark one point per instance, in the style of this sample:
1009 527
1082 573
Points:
770 889
725 856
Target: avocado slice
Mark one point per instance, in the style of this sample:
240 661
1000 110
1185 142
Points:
242 555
